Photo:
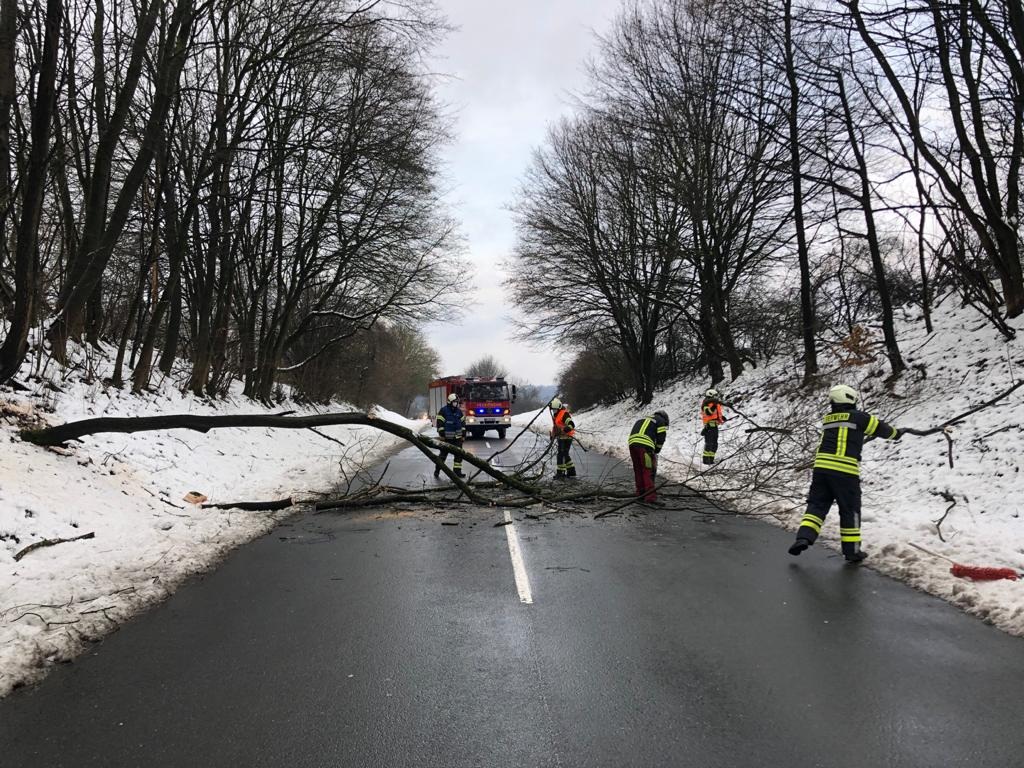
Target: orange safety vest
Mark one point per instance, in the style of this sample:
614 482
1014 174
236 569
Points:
559 420
712 412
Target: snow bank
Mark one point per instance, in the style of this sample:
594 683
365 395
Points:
908 485
129 491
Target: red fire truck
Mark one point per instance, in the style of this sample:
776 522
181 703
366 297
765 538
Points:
486 401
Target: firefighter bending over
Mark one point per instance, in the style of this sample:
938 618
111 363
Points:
712 416
562 429
836 474
645 443
451 428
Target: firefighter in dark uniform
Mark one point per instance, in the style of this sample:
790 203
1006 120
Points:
712 416
645 443
451 428
836 474
562 429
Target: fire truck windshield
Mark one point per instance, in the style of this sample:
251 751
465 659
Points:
488 391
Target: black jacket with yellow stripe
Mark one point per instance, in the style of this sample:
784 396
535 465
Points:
842 439
650 432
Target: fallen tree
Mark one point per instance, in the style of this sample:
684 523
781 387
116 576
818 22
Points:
514 489
768 450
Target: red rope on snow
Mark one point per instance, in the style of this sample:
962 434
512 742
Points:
983 573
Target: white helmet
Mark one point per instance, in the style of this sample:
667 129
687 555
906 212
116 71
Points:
841 393
712 393
453 398
555 404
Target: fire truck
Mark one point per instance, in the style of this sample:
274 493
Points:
486 401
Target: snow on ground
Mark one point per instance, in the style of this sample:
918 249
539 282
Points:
129 491
908 485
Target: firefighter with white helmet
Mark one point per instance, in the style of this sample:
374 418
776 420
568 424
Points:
836 476
712 416
451 428
563 430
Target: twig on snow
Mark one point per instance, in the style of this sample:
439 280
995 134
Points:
938 523
50 543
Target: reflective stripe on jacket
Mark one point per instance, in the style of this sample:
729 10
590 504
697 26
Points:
842 439
564 426
711 413
450 421
650 433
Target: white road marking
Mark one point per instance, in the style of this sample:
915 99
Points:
518 565
488 445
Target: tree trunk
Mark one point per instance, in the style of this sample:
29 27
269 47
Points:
709 331
173 335
926 299
8 26
888 326
26 255
807 318
1013 278
724 335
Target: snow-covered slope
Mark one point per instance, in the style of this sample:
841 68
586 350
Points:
908 485
129 491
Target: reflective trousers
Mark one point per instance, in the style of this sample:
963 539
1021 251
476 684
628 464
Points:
844 490
457 462
645 465
710 443
565 466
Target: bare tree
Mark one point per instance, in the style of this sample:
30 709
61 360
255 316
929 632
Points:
232 179
793 123
977 50
487 366
26 281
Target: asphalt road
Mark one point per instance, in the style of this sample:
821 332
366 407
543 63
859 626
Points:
664 639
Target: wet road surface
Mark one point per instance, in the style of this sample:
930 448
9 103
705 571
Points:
400 638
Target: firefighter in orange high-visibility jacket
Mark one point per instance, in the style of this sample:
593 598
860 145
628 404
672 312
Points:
645 443
836 476
562 430
712 416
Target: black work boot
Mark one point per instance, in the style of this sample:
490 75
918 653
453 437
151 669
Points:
459 473
799 546
856 557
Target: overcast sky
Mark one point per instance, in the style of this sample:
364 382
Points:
513 67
